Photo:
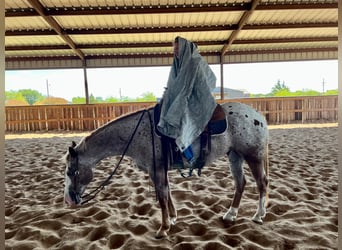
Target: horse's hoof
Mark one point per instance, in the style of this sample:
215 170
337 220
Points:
173 220
158 237
231 215
228 223
160 234
258 219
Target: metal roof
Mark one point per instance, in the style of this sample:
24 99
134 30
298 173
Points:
101 33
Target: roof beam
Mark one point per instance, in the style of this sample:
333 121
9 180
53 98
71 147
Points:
28 32
287 40
129 10
55 26
149 9
290 26
21 12
125 30
37 47
243 20
142 45
163 55
160 9
168 44
143 30
276 51
40 58
295 6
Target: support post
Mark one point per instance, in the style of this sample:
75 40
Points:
2 119
85 81
340 112
221 74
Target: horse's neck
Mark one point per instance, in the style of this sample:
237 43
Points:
109 140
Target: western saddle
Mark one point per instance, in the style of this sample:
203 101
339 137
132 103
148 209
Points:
173 158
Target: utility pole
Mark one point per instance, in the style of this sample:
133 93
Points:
323 83
47 88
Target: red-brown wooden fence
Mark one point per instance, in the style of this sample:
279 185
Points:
85 117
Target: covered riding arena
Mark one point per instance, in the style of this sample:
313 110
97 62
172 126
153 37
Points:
303 146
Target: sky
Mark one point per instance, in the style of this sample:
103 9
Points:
255 78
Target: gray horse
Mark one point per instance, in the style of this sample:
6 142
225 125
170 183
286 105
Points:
245 139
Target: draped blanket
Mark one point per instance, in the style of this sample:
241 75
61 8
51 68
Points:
187 103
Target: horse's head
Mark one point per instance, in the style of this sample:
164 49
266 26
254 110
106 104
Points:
77 177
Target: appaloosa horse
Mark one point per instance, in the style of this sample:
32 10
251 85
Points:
134 135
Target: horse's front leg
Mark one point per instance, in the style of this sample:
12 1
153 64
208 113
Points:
169 213
162 194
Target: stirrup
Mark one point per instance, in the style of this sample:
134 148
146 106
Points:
197 164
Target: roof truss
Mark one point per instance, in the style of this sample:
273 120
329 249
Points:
280 29
164 9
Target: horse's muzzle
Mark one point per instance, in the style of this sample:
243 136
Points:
73 198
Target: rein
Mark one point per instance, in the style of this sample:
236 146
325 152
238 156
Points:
93 194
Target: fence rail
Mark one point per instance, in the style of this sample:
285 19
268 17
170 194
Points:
85 117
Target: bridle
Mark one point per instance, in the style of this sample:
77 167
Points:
75 174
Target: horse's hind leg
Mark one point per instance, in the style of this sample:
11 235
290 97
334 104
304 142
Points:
172 209
257 168
236 161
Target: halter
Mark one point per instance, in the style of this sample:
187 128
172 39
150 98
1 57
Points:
93 193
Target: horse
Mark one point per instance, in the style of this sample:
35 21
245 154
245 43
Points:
245 138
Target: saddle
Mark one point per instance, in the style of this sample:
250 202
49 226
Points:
172 155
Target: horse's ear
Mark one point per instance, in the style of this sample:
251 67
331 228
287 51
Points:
72 152
73 144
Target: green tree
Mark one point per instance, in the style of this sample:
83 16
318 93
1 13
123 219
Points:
305 92
331 92
31 96
78 100
14 95
257 95
111 99
282 92
279 87
126 99
147 97
93 99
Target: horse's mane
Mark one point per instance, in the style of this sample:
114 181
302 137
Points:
82 145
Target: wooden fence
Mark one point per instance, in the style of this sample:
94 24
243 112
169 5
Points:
88 117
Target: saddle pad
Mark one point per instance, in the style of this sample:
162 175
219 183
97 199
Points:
217 127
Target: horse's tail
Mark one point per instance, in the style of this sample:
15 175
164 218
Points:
267 170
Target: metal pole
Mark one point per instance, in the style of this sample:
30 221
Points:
47 88
221 73
85 81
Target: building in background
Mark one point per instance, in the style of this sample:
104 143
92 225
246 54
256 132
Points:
229 93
